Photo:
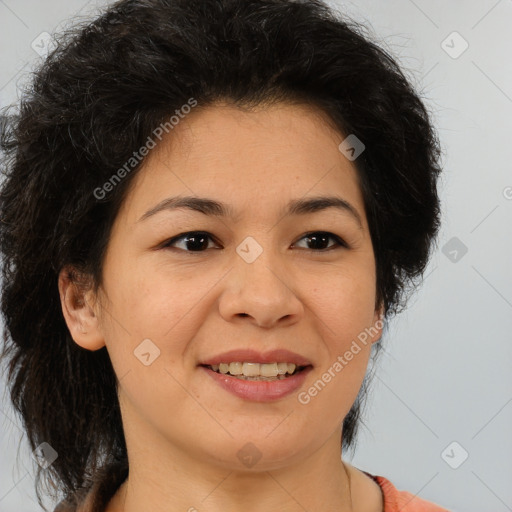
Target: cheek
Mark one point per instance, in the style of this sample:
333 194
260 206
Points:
344 315
145 299
150 321
345 300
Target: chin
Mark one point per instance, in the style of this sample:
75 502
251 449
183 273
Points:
256 453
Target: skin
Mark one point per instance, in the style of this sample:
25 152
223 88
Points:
182 430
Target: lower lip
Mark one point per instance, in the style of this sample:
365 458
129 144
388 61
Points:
259 391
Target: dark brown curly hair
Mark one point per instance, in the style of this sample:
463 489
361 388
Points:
96 98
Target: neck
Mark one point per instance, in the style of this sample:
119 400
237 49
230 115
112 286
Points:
319 481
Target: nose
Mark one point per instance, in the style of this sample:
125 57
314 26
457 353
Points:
261 292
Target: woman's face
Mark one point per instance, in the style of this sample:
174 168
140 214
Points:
255 282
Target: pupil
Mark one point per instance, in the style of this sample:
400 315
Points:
316 238
192 242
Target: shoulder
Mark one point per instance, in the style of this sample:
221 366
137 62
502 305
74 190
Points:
403 501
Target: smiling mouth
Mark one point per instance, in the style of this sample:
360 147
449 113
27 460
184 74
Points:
257 371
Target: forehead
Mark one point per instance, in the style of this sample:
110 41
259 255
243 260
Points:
247 159
224 130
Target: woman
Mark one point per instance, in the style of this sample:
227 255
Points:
210 210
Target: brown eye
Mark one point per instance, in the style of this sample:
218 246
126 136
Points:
193 241
198 241
319 241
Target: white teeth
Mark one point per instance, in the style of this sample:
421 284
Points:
269 370
291 368
255 369
235 368
251 369
282 368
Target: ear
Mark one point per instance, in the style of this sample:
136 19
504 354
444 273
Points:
377 325
77 302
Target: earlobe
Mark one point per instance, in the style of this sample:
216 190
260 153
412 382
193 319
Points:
78 312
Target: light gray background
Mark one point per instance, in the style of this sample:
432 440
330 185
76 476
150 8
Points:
446 374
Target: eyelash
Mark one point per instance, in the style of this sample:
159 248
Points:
339 241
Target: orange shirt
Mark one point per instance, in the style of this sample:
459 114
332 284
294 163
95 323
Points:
403 501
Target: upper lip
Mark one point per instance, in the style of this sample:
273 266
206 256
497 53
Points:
246 355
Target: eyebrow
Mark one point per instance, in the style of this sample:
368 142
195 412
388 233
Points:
210 207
